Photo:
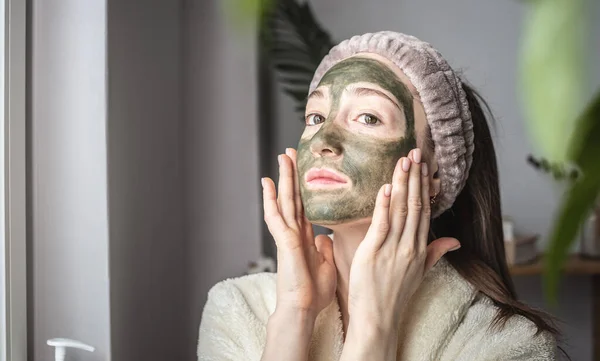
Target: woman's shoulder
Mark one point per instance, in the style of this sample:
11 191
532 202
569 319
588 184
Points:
235 316
263 282
255 293
517 339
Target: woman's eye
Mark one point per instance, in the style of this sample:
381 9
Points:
314 119
368 119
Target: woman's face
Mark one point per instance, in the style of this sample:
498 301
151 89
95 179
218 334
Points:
359 121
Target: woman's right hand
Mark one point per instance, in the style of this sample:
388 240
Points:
306 273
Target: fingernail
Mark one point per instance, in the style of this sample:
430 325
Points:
279 159
288 151
405 164
387 190
455 248
424 169
417 155
262 182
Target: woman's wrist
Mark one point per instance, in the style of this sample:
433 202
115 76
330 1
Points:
368 340
376 322
288 333
302 319
373 329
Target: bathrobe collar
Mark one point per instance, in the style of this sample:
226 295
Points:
434 312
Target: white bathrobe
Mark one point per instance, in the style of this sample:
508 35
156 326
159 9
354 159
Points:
446 320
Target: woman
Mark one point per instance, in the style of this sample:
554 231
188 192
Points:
395 153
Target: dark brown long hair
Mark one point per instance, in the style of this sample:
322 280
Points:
475 220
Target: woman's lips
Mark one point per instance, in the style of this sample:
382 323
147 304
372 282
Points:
325 178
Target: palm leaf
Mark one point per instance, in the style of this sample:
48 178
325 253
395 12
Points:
585 152
242 14
297 44
552 73
299 81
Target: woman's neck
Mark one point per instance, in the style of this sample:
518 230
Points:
346 239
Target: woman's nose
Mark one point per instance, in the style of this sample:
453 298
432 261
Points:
326 143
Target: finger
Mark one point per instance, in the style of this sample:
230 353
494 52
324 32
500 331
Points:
324 246
309 234
273 218
286 190
399 205
380 224
304 223
415 206
290 152
425 220
438 248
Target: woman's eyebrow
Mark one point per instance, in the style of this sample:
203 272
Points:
369 91
317 93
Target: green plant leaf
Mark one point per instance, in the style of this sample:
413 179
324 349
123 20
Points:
297 46
297 94
300 81
242 13
552 72
292 66
584 151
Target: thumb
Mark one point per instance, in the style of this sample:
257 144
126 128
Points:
438 248
324 246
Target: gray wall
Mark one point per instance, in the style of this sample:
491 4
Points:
69 219
221 161
481 38
148 280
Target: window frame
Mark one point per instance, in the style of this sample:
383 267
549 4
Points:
15 182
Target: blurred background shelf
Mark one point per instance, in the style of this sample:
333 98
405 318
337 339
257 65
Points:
576 265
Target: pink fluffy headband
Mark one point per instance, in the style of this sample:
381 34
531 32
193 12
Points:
441 93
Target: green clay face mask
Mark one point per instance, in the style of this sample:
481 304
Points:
365 161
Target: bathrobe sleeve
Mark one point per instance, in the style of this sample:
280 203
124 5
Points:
233 325
539 348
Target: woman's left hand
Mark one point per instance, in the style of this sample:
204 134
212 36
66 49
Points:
392 260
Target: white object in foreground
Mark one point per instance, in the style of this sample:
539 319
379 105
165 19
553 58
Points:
61 345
